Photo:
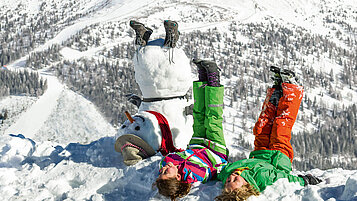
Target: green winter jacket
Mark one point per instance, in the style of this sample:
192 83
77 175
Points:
264 167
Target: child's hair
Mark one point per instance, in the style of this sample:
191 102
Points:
172 188
239 194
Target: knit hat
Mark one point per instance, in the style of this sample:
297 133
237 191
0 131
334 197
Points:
133 148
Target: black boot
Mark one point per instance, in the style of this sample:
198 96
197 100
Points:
276 75
278 92
212 70
142 33
172 33
202 73
288 76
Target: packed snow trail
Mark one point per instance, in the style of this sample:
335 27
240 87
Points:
32 120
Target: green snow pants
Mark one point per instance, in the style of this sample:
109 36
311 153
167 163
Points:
208 117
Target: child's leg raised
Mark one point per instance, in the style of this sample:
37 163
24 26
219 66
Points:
211 110
264 125
199 110
214 114
286 115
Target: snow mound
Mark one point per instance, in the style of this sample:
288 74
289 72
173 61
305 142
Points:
350 192
162 77
49 171
15 150
15 105
74 119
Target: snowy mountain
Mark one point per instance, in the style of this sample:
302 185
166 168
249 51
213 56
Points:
60 144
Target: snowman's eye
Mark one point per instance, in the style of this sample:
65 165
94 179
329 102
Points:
137 128
123 126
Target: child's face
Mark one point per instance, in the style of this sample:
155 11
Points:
169 171
234 181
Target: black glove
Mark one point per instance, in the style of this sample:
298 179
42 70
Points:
310 180
189 110
134 99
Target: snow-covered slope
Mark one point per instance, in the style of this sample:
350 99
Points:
59 147
33 170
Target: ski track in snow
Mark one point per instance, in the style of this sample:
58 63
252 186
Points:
33 119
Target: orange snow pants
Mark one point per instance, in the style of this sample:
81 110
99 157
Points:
273 129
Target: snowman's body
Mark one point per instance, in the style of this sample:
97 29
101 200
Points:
164 77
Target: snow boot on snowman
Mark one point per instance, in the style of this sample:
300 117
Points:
163 73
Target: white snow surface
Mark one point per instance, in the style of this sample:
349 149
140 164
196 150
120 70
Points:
49 155
33 170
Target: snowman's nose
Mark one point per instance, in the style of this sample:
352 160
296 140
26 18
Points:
129 117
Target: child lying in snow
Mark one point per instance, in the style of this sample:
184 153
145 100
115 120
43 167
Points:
206 153
273 153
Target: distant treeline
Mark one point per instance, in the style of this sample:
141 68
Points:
336 136
21 83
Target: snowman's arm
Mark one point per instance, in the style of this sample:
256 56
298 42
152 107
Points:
134 99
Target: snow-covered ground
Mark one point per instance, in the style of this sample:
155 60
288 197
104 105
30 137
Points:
45 170
59 147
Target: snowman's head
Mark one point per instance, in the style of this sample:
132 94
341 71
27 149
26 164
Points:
161 71
140 132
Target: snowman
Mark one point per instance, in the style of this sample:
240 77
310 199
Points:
163 73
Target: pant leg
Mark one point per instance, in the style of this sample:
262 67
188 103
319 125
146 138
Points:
199 110
214 114
286 115
264 125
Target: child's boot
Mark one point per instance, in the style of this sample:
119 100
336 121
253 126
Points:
212 70
142 33
278 92
202 73
172 33
288 76
276 75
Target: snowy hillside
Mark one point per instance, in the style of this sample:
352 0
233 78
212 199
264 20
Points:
60 145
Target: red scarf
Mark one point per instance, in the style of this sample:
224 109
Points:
167 145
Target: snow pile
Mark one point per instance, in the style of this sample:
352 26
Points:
46 170
58 115
350 191
74 118
15 150
162 77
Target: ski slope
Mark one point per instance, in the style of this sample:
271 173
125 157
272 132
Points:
34 118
